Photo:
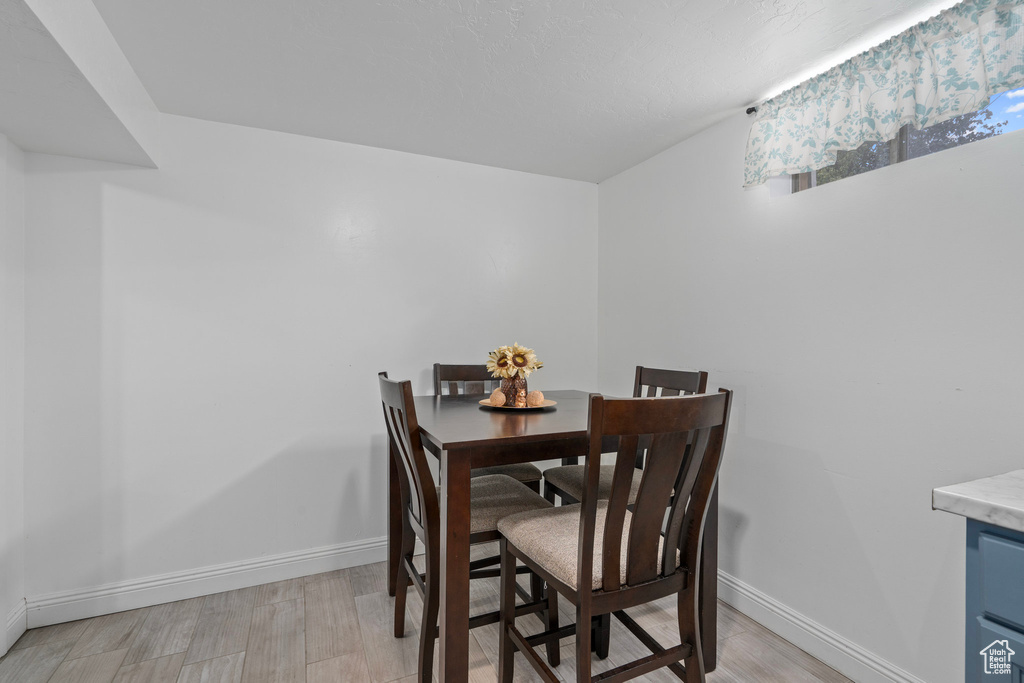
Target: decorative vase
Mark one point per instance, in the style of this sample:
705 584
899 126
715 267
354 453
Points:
511 386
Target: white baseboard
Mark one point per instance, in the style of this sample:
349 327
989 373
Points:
15 625
56 608
842 654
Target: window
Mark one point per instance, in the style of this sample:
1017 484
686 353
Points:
1004 114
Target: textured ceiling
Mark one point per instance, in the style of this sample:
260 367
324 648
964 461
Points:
571 88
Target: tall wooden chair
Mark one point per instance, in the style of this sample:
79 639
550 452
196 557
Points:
491 498
603 557
475 380
567 482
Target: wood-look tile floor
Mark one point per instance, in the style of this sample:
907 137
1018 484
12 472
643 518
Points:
337 626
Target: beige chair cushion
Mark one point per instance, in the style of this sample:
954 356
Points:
523 471
496 496
551 539
572 479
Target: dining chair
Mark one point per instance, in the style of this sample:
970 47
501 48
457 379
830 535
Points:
605 558
567 482
475 380
491 498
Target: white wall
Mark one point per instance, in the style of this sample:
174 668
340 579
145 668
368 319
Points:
203 343
12 393
871 329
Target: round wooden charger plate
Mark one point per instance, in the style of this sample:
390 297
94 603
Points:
546 404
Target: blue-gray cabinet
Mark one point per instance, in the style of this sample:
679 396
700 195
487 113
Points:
995 604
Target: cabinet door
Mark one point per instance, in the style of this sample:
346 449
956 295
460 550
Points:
994 601
998 635
1002 587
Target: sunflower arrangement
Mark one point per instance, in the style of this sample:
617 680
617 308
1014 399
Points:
513 364
513 361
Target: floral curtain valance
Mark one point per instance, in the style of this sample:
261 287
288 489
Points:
941 68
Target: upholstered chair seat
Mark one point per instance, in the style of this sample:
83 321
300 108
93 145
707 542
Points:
525 472
572 479
551 538
496 496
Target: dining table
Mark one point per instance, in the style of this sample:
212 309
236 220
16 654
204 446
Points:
464 436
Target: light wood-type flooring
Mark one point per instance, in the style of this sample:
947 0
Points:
337 626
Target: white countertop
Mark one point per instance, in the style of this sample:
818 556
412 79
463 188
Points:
997 500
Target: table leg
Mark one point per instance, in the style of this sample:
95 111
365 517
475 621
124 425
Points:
708 596
454 569
394 521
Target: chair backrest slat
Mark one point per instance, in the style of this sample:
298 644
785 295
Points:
685 436
402 450
416 483
616 512
681 506
463 380
665 458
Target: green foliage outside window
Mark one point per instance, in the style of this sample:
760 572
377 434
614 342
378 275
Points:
913 143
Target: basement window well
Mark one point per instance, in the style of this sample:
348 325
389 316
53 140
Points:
1004 114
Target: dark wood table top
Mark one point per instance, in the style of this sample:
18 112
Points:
456 422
